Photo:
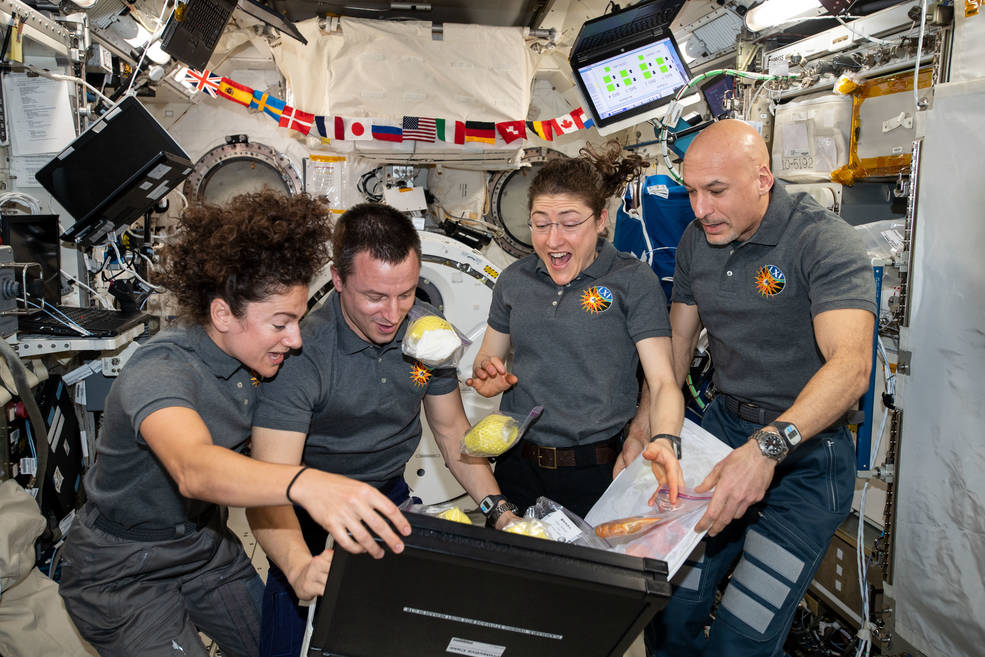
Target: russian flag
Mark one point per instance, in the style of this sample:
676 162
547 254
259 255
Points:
388 133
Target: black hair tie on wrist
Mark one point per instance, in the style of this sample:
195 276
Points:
287 493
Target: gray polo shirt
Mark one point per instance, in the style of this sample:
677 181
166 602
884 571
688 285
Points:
359 403
574 345
183 367
758 298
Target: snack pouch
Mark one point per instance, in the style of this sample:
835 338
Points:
497 432
448 511
431 339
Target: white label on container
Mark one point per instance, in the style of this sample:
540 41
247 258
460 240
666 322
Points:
560 527
474 648
29 466
58 479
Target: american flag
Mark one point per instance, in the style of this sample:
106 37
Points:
200 80
418 128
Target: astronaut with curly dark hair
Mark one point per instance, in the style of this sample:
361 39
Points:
149 562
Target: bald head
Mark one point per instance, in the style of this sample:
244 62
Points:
727 174
729 140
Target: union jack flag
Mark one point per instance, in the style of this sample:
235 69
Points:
418 128
200 81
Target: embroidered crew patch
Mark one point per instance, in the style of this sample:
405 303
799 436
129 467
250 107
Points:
770 281
420 375
596 299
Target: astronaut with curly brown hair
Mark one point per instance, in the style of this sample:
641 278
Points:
149 561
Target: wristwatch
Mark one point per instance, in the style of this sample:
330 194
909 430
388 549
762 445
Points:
771 444
494 506
674 440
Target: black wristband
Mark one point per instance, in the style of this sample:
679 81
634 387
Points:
287 493
674 440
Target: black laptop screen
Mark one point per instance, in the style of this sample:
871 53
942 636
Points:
115 159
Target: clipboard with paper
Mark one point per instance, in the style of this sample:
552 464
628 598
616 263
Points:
628 495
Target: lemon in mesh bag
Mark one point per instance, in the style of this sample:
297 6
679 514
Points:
492 436
432 340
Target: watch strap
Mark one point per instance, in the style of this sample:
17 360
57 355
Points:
674 440
505 505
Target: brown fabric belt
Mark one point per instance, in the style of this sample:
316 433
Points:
551 458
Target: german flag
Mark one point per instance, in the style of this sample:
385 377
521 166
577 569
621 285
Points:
482 131
236 92
542 129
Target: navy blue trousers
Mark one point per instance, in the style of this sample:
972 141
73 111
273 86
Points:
775 548
283 620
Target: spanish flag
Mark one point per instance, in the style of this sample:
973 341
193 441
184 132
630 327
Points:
483 131
236 92
542 129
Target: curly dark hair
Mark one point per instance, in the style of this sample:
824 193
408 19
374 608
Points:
594 176
251 247
387 233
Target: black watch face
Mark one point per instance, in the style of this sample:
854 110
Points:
772 445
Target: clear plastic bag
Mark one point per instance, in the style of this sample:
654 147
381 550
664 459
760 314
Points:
662 512
433 340
497 432
445 511
563 525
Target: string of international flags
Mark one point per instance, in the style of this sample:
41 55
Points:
411 128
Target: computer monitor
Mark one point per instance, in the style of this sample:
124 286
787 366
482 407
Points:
715 91
114 172
34 238
628 65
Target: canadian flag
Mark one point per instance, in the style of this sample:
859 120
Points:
570 122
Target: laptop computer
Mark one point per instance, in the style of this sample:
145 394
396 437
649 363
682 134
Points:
464 590
71 321
625 28
114 172
193 32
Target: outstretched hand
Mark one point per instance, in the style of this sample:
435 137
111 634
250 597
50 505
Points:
666 468
349 510
489 378
740 480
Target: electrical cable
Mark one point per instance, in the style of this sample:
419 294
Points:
161 24
45 73
106 304
31 203
64 319
665 129
916 64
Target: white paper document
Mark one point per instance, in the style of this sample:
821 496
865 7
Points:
39 115
629 493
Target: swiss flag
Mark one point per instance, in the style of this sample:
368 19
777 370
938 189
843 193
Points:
570 122
511 130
